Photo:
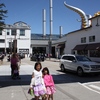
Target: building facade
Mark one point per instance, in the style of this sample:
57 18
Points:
15 38
43 44
85 41
60 46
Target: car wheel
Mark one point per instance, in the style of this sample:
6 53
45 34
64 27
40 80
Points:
62 68
80 71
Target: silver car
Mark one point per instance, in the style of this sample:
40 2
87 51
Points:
78 63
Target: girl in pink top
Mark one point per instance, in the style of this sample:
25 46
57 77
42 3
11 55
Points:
49 83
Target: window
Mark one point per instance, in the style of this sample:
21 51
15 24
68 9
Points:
65 57
19 24
71 58
8 32
94 53
91 38
83 40
82 52
0 32
2 41
22 32
13 32
82 58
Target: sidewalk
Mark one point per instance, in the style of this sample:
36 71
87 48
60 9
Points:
18 89
53 59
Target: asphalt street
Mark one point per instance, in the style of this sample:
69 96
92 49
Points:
68 85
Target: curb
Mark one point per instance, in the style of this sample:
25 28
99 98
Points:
53 60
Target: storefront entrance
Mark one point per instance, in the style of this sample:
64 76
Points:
36 50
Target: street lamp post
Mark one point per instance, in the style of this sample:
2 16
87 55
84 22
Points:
50 46
5 41
51 28
15 43
14 32
10 45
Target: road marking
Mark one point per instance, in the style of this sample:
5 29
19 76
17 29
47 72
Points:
84 85
91 83
12 94
95 87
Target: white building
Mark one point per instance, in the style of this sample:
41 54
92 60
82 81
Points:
16 37
60 46
85 41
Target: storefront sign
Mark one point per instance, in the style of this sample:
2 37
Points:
24 51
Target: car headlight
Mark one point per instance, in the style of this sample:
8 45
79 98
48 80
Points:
86 65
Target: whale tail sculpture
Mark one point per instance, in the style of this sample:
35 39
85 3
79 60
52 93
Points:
84 19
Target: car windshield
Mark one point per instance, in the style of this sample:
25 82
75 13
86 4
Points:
82 58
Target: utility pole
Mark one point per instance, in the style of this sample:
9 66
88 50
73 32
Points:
11 45
51 29
5 42
15 43
51 18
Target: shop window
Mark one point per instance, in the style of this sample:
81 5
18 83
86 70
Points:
82 52
91 38
94 53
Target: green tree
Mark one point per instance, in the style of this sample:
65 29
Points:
2 15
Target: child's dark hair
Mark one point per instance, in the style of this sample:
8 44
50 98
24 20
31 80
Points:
45 69
37 63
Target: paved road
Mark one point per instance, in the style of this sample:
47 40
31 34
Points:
69 86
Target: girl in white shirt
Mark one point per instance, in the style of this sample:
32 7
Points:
37 82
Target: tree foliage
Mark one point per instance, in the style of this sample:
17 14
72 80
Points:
2 15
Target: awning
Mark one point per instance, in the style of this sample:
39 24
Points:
93 46
61 45
80 47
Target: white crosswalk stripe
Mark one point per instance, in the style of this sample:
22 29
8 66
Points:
92 86
95 87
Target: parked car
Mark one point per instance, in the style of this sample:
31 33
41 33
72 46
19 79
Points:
78 63
8 58
37 57
22 55
2 56
33 57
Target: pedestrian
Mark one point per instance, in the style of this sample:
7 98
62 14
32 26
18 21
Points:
49 83
38 87
16 73
14 65
1 58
